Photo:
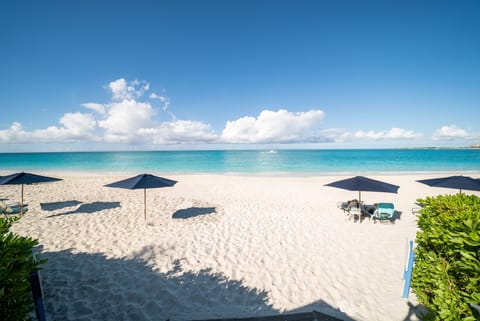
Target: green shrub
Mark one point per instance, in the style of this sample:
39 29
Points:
16 264
446 276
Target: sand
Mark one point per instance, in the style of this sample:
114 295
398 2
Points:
219 246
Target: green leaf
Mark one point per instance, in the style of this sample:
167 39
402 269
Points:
16 264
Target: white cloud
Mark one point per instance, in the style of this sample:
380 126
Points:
450 132
14 134
164 100
180 131
279 126
122 90
99 108
119 89
340 135
76 126
155 96
130 117
125 118
400 133
129 120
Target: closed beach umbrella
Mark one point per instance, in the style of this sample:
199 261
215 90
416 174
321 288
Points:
143 181
460 182
364 184
25 179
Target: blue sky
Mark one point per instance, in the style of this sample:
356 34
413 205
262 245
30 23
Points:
109 75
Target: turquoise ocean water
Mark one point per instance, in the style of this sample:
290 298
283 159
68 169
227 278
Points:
249 161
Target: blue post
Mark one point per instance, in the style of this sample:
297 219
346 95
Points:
37 296
407 275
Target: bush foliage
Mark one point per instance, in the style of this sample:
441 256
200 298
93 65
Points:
16 264
446 276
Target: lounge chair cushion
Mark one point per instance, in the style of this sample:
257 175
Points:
384 211
12 208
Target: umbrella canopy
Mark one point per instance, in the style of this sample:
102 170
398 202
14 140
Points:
25 179
143 181
364 184
460 182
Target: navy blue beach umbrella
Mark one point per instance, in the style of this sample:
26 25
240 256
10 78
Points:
25 179
364 184
143 181
460 182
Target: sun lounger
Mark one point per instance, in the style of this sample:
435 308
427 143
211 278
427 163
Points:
342 205
345 206
13 208
416 209
352 208
354 211
384 211
368 210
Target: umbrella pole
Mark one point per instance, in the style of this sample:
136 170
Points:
359 206
145 203
21 202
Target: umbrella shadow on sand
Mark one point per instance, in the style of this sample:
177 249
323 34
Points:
193 212
53 206
129 289
90 208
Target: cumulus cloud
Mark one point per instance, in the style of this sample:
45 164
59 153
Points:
121 89
165 103
340 135
279 126
450 132
76 126
127 117
400 133
180 131
14 134
99 108
133 116
393 133
163 99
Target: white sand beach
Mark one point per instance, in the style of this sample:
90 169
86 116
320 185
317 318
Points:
219 246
